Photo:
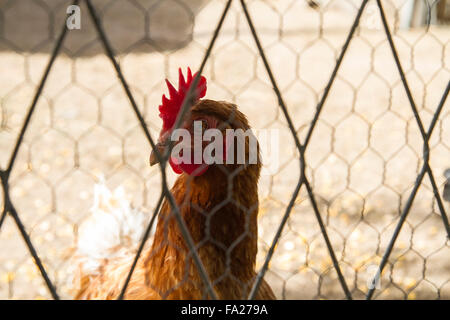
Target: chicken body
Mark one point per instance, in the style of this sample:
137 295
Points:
220 210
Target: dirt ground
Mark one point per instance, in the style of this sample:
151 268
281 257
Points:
363 158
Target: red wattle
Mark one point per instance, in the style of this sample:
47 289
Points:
175 167
190 168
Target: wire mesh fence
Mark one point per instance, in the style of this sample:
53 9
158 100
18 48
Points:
356 91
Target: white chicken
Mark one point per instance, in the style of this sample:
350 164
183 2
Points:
112 231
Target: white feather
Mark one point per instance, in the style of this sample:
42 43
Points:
113 229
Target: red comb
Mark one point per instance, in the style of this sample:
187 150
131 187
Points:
170 107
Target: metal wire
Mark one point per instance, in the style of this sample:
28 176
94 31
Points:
8 206
96 17
426 167
183 227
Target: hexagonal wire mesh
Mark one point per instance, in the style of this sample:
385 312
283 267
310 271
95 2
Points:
355 101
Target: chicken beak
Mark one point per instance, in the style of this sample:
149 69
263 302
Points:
161 147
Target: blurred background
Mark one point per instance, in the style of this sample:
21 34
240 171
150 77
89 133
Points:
363 159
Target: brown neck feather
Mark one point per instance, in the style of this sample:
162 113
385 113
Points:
220 213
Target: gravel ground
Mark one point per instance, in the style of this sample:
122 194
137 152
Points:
363 158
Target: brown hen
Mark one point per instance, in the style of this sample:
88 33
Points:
219 207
